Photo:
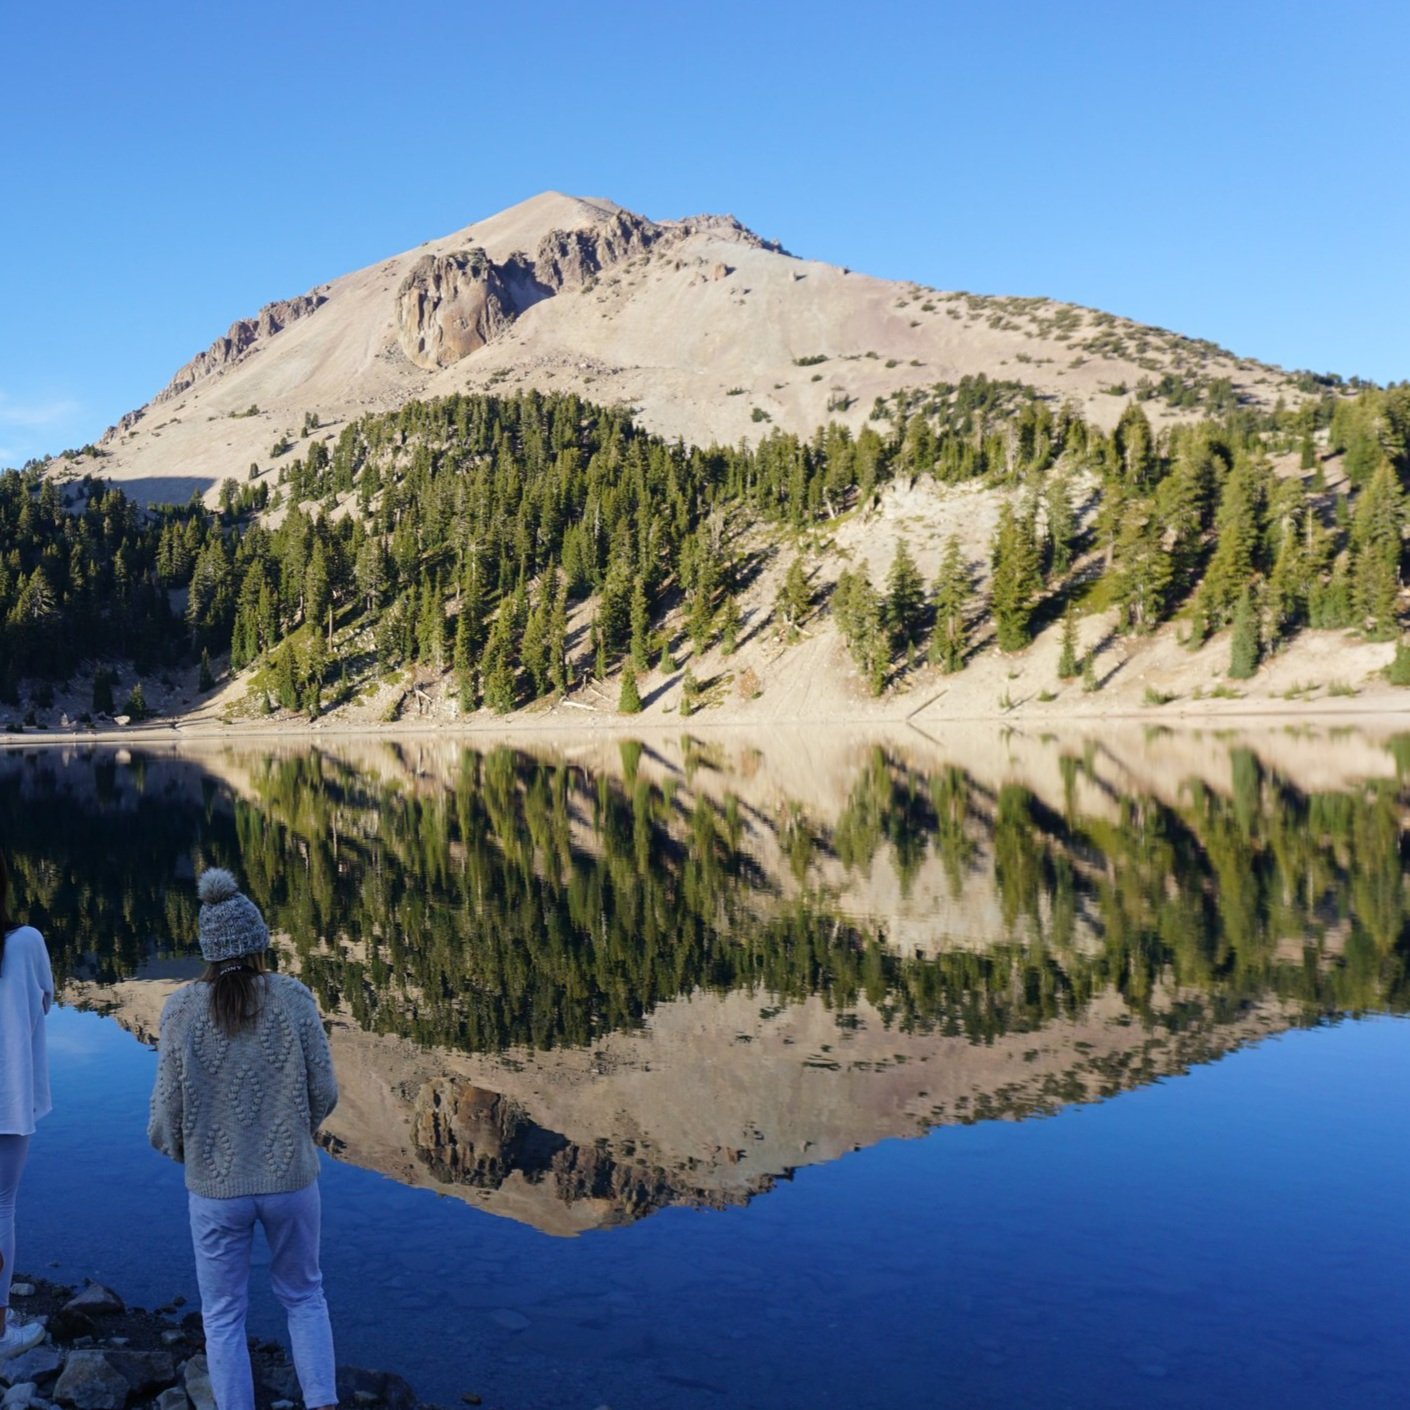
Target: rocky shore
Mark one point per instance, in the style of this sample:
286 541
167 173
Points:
99 1354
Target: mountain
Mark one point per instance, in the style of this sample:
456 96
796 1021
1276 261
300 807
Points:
709 332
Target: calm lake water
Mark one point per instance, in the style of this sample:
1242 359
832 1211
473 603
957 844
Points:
998 1071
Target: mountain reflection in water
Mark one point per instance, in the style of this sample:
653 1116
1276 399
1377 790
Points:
574 988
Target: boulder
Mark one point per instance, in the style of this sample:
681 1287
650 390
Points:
173 1398
21 1393
91 1382
384 1387
95 1299
196 1377
40 1364
145 1371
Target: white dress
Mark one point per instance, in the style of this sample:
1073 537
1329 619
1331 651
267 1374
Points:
26 991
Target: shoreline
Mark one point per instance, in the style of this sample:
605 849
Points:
172 730
97 1353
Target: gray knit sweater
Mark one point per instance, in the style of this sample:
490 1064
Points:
240 1113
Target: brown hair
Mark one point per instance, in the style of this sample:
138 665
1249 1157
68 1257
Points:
235 991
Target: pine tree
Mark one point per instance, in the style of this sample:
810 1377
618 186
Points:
794 600
858 610
556 647
949 639
1142 572
462 666
1067 658
286 685
205 680
136 703
1244 645
1240 525
641 625
312 669
903 611
1062 527
1015 582
318 592
1135 446
729 622
629 698
1377 537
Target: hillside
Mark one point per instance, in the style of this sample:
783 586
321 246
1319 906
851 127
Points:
708 332
912 541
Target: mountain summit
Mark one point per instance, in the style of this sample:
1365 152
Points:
709 332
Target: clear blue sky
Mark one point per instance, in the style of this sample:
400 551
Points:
1236 171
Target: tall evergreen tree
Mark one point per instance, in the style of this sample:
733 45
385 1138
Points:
1377 538
1068 655
1245 646
1015 581
903 611
949 639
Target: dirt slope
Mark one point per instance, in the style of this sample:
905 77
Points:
709 332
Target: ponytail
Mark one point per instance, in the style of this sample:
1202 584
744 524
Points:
235 991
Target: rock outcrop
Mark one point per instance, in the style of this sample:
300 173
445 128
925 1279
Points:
450 305
468 1135
244 334
569 258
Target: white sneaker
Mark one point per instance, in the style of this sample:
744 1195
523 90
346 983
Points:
19 1337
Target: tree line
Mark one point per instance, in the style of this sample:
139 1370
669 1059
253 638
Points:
480 522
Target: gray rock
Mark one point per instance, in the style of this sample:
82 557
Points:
173 1337
21 1393
173 1398
21 1289
387 1389
40 1364
196 1377
94 1299
145 1371
279 1379
91 1382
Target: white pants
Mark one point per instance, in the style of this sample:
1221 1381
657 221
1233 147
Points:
13 1150
222 1231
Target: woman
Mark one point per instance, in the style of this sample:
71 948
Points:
243 1080
26 991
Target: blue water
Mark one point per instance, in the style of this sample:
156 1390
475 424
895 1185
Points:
1238 1236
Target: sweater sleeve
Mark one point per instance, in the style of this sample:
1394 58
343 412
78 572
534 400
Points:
164 1121
318 1063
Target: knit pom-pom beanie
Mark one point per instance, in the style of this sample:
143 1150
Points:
230 923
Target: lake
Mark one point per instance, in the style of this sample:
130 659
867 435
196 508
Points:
798 1071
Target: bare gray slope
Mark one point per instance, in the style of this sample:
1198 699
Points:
709 332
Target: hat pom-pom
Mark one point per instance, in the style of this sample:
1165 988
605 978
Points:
216 885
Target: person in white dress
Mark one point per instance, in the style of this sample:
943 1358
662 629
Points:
26 992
